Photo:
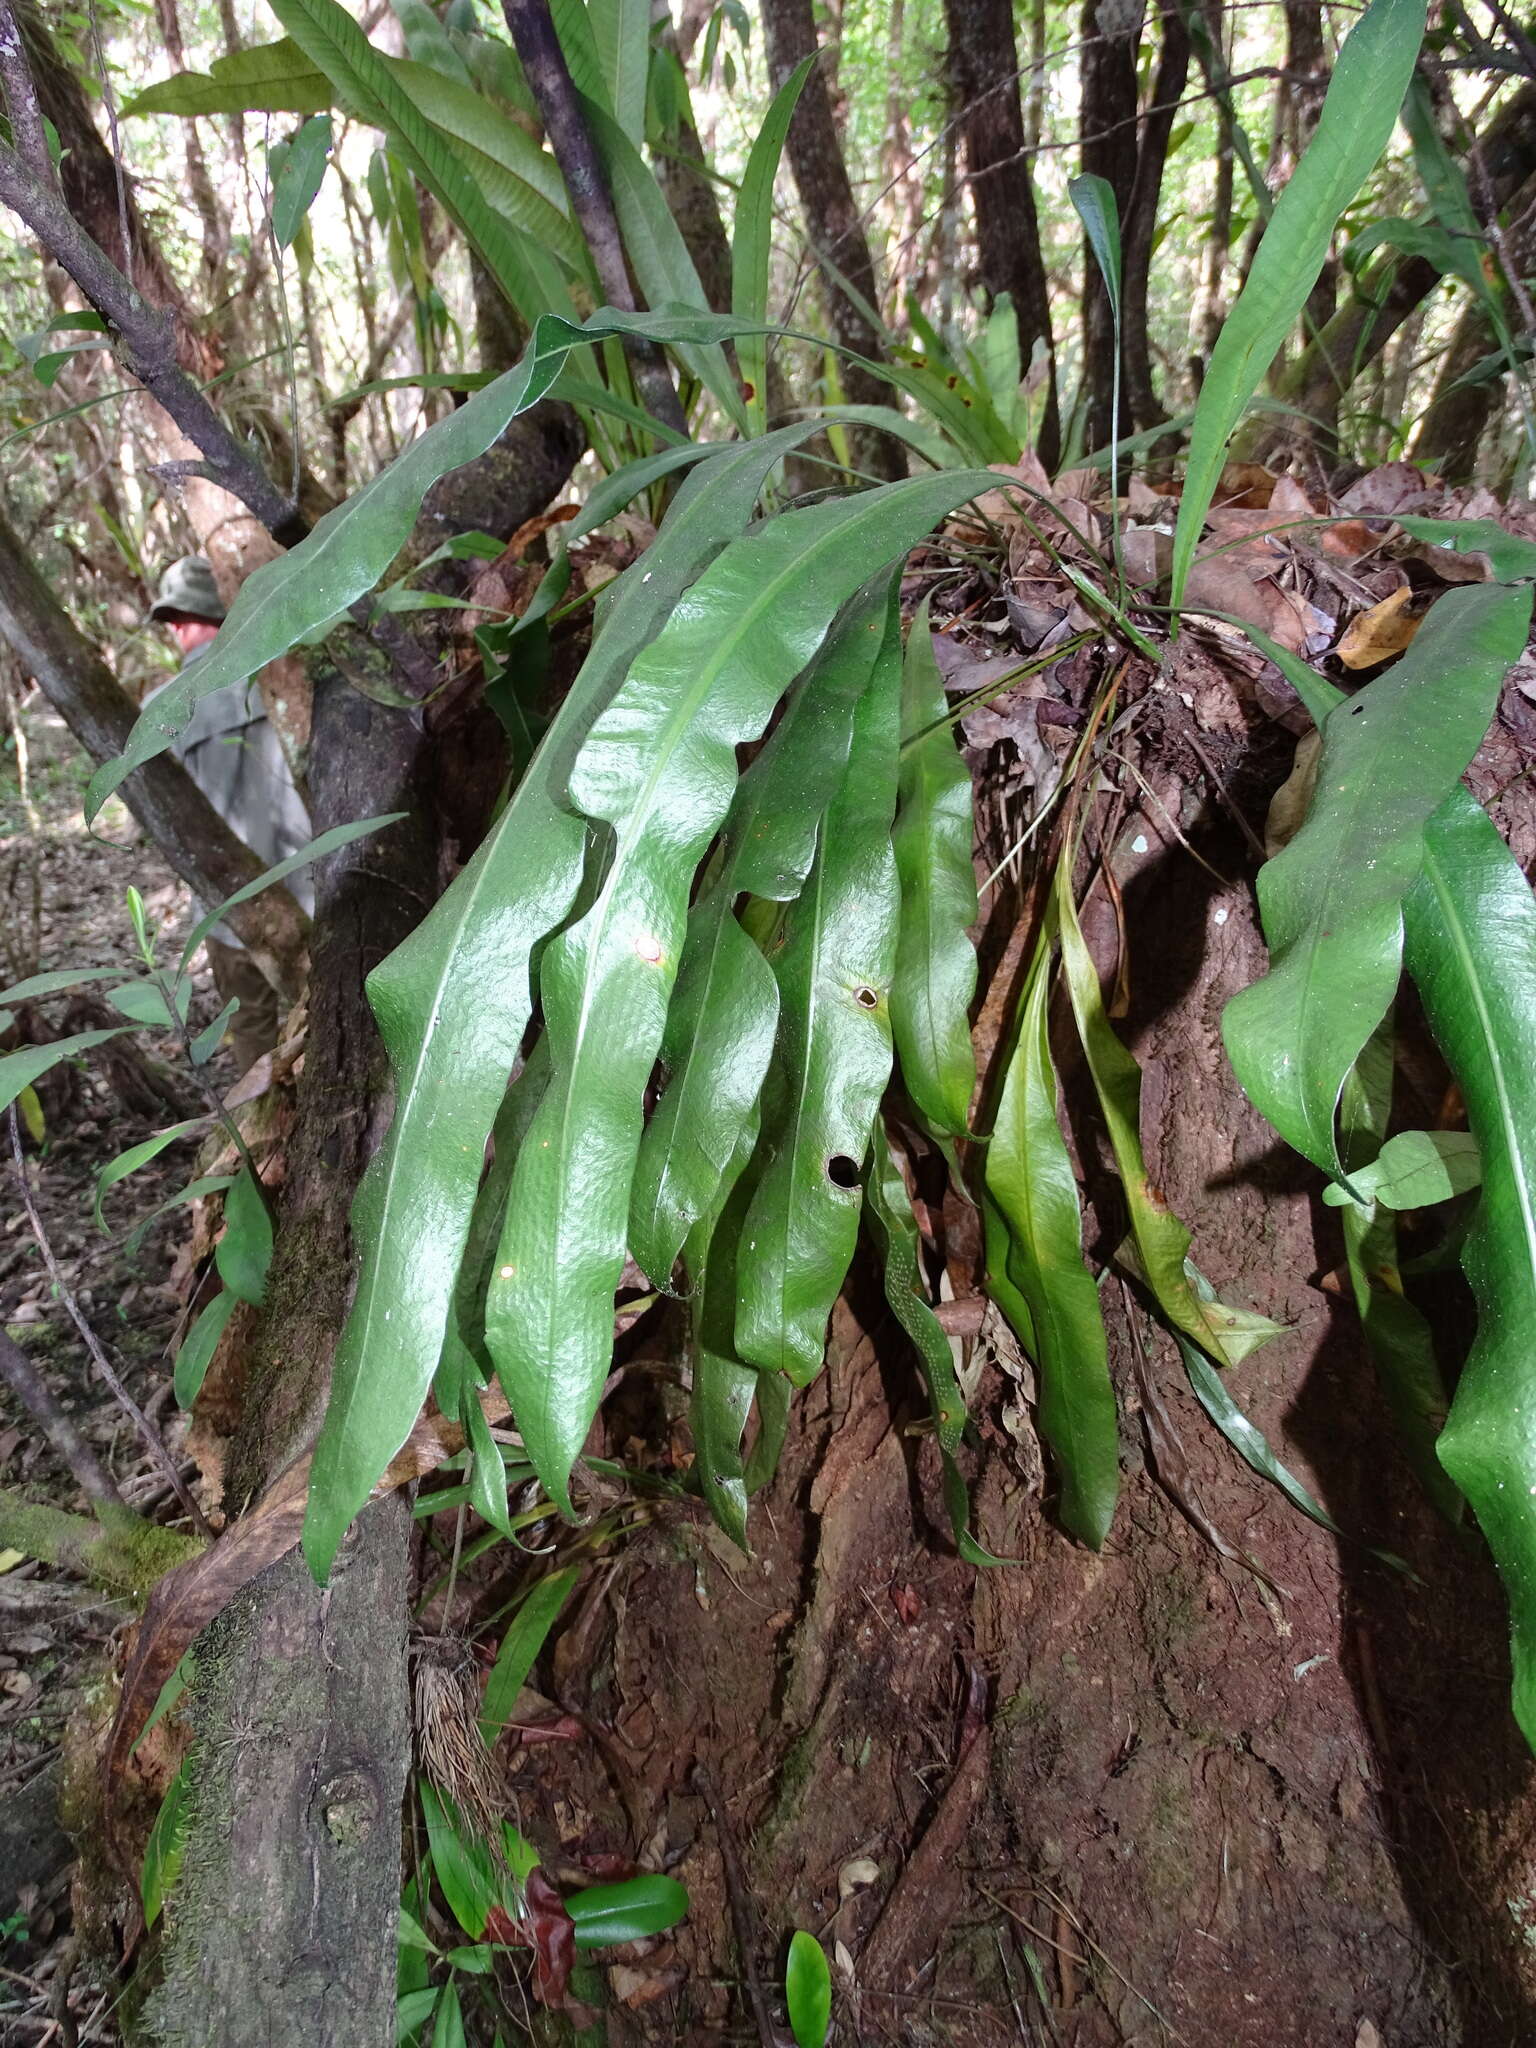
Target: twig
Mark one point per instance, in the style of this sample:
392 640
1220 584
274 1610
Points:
743 1918
36 1396
549 79
141 1422
148 345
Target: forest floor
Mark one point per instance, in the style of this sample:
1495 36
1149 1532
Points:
1236 1781
63 903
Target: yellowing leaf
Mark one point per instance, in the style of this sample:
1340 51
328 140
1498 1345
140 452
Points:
1382 632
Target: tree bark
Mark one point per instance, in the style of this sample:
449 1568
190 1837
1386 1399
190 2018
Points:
169 806
832 222
1317 382
1110 30
282 1926
1456 420
991 118
1140 223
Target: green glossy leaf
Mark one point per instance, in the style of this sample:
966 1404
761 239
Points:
659 256
268 78
622 31
199 1345
1511 556
832 1060
317 849
1093 199
808 1990
351 548
1397 1335
1413 1170
453 1003
381 91
752 239
1471 949
167 1845
888 1211
128 1162
55 982
933 838
520 1646
20 1069
518 178
1366 90
469 1880
659 767
412 2009
1030 1179
606 1914
1162 1242
1332 900
244 1252
296 184
487 1473
144 1001
448 2020
1249 1442
721 1022
194 1191
211 1037
723 1387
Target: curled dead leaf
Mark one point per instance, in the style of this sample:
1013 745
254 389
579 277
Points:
1381 633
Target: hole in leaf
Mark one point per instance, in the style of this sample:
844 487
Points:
842 1171
867 998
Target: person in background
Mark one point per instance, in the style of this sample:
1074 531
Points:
232 752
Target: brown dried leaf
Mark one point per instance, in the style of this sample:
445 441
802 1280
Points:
1288 806
1382 632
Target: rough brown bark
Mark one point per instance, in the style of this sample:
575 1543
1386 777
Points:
1110 34
284 1931
991 118
172 810
1455 422
1317 382
833 224
1140 223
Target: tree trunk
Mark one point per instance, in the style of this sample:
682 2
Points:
1456 420
832 224
175 814
1381 300
991 121
282 1927
1140 223
1110 31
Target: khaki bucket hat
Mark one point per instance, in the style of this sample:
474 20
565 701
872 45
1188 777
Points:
187 589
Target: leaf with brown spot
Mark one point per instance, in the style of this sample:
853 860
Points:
1384 631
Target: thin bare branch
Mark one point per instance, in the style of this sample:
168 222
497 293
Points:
153 1442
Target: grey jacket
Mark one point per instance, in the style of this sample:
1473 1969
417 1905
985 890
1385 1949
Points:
231 750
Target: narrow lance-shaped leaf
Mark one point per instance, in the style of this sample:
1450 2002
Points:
1471 949
1397 1336
1162 1241
832 1061
933 837
1332 900
660 768
268 78
296 184
723 1388
888 1213
752 239
287 600
720 1024
1364 95
453 1003
1030 1178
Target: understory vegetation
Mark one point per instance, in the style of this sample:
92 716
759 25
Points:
912 678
